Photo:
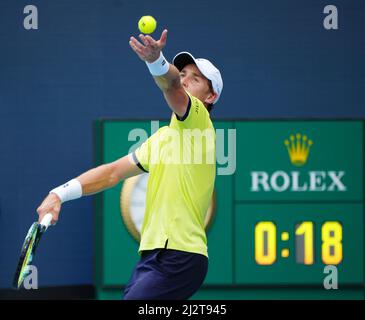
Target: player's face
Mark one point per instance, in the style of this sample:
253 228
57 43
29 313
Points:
196 84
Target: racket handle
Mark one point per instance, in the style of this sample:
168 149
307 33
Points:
46 220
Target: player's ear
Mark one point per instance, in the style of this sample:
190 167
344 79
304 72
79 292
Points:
210 98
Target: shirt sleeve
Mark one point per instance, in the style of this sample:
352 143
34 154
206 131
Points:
196 116
142 155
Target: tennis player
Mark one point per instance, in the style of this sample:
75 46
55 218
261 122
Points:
173 249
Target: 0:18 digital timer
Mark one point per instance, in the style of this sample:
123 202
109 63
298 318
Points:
331 237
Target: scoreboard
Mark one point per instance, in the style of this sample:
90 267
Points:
288 201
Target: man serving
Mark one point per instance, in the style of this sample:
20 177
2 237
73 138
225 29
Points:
173 247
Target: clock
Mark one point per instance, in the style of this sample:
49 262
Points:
133 203
331 243
292 243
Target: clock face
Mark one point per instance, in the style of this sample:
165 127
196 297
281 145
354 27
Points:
133 204
137 202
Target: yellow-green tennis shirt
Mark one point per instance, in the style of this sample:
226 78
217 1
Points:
181 162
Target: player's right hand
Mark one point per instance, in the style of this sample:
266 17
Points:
149 50
51 204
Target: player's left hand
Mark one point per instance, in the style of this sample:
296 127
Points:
149 50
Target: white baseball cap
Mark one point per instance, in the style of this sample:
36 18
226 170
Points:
206 68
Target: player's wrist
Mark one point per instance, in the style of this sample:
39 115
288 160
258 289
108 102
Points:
158 67
54 196
71 190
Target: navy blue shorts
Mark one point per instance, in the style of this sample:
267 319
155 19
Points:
166 274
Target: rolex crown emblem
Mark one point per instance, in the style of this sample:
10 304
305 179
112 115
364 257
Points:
298 147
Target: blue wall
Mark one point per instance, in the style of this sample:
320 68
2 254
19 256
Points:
276 59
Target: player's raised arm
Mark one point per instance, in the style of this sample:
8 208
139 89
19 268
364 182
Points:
166 75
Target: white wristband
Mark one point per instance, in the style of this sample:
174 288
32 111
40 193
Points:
159 67
69 191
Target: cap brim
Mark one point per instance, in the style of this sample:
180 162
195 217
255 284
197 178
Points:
182 59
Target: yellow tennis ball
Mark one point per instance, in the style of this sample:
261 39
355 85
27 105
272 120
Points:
147 24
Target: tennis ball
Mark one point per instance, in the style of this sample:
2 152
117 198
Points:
147 24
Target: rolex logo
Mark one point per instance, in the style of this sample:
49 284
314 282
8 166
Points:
298 148
279 180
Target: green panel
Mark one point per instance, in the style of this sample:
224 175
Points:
119 249
109 294
337 146
220 241
226 293
285 217
261 152
278 294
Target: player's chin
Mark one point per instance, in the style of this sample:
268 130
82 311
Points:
192 92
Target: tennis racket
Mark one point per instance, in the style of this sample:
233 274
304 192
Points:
28 249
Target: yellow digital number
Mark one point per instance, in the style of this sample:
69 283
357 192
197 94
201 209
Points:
305 229
265 243
332 242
